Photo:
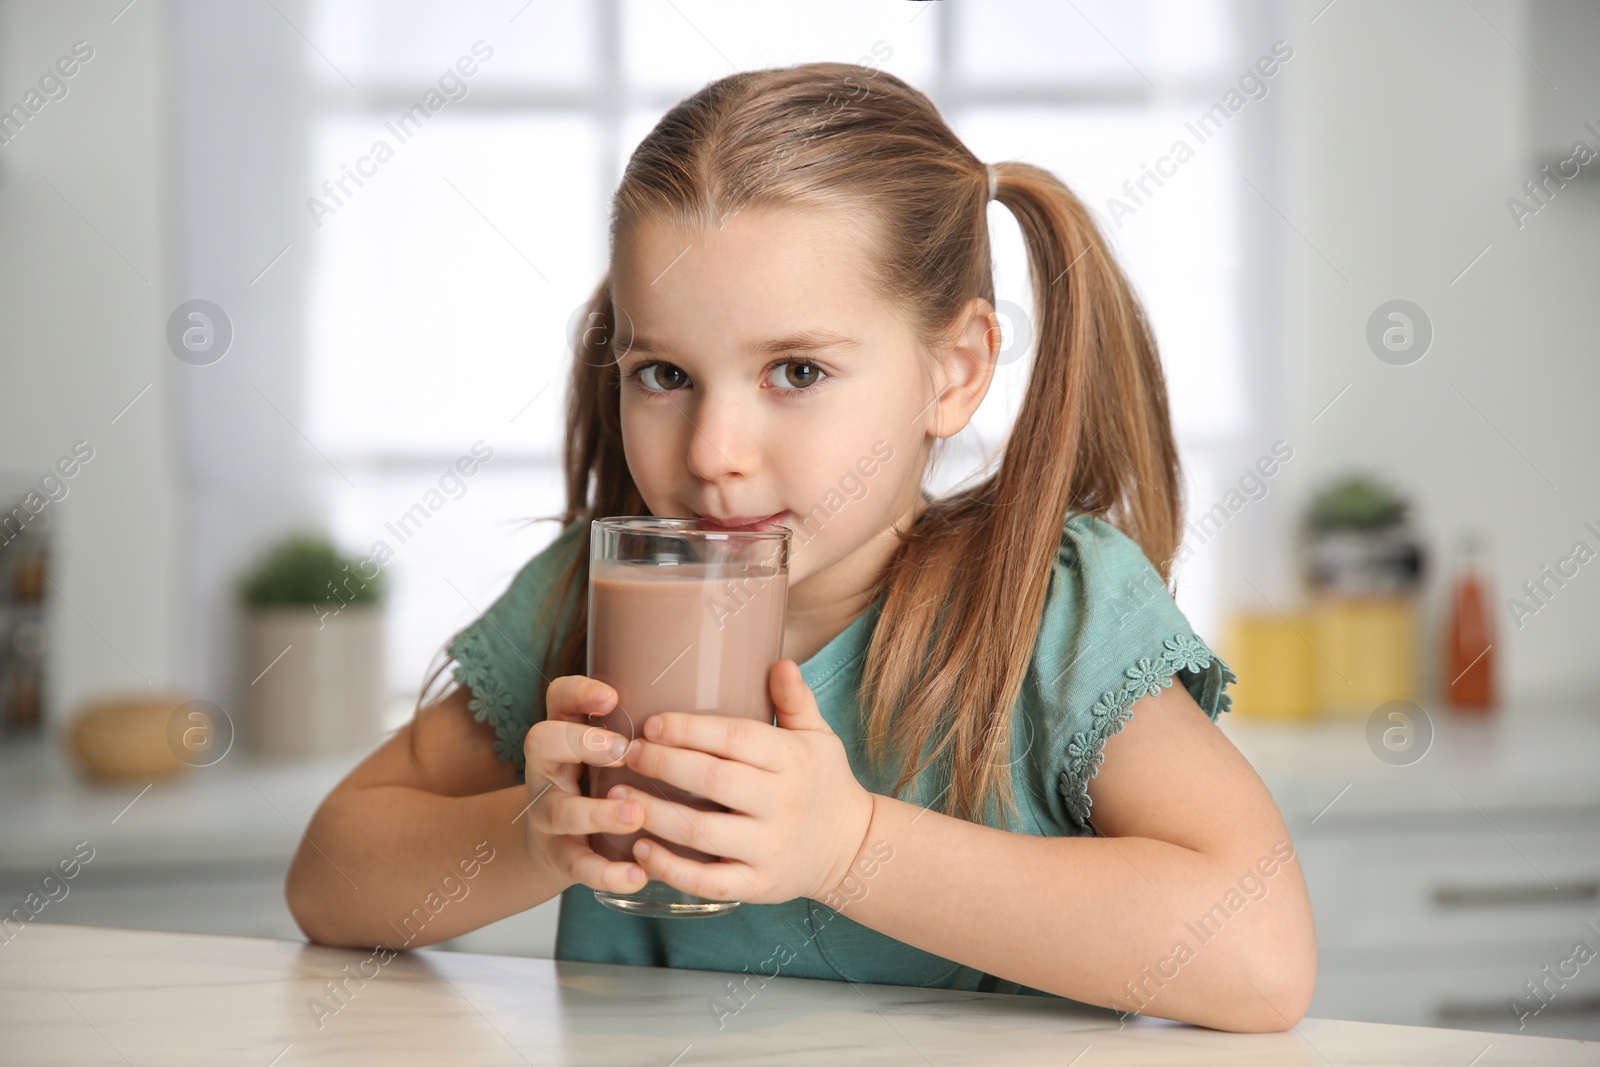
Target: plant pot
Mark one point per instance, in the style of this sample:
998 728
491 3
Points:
1381 561
326 693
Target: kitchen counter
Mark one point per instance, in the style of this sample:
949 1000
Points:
1522 761
240 810
85 995
1527 759
204 851
1397 857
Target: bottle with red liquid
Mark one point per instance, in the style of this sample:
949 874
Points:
1469 674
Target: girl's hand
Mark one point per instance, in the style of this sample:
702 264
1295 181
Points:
559 818
798 815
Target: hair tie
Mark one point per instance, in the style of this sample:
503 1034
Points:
994 179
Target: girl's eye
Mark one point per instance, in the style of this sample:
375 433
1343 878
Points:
667 377
797 376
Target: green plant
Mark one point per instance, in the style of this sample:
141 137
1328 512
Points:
308 569
1357 502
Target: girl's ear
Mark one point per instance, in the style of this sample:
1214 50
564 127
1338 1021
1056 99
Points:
964 369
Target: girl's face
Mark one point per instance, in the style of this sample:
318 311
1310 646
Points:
761 375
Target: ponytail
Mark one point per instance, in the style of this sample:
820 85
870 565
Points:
1092 435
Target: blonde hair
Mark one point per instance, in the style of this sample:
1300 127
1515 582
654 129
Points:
1093 433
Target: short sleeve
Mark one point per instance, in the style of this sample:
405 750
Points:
500 655
1110 635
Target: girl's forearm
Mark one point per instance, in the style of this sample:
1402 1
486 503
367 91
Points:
402 867
1134 924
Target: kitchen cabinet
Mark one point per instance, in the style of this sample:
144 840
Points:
1442 887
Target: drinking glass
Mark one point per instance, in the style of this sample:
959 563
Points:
683 616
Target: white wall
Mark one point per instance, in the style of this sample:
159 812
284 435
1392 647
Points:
241 137
1407 132
84 300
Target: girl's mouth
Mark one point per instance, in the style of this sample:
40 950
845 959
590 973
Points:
742 522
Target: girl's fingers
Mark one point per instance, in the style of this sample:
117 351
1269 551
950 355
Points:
573 814
574 697
594 744
759 744
551 745
714 832
714 881
728 782
583 864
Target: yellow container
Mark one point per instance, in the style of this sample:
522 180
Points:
1276 665
1366 652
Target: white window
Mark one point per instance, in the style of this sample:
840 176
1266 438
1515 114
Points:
446 280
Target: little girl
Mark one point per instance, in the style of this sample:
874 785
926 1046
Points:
981 776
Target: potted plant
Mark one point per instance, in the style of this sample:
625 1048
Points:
313 650
1359 540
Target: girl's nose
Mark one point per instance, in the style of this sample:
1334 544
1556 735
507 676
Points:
724 439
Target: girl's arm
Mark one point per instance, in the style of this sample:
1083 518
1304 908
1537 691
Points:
1192 907
400 827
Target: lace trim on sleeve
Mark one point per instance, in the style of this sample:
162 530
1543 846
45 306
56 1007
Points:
490 702
1086 750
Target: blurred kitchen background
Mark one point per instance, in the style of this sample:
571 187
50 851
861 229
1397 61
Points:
277 409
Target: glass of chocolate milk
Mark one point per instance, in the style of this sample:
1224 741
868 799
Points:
683 616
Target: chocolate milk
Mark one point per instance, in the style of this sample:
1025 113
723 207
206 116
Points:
683 637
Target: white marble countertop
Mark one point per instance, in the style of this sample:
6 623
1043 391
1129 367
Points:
1528 758
90 995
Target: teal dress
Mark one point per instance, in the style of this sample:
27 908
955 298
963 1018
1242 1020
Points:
1110 635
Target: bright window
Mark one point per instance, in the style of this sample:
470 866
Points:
445 282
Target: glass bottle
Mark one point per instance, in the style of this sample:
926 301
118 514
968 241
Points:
1469 660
